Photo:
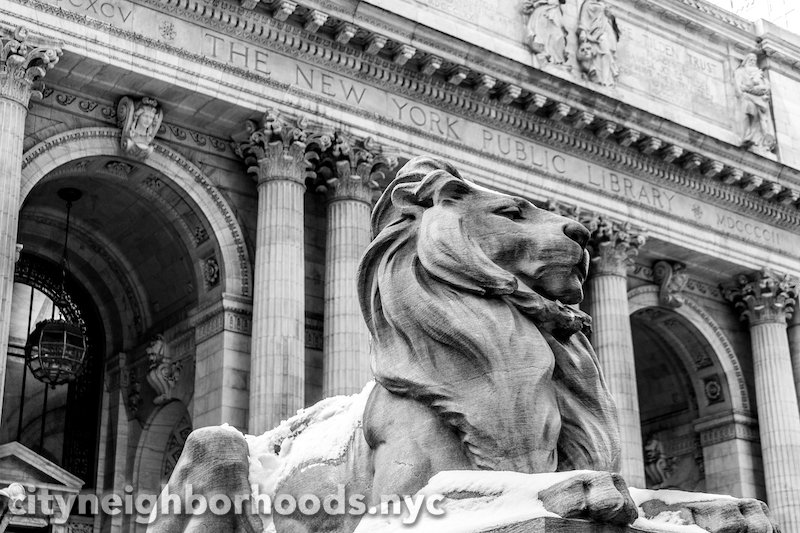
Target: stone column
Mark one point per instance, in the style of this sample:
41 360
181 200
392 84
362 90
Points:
613 248
23 63
794 350
348 173
276 155
766 301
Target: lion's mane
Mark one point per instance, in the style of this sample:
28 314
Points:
509 370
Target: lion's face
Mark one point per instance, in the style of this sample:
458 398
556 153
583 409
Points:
544 251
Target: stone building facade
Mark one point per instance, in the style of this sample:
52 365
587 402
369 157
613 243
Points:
228 153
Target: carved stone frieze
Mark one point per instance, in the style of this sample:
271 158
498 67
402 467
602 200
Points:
139 121
763 297
672 280
753 89
276 148
613 245
24 61
350 169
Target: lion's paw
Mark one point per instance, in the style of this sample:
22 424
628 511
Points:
718 516
596 496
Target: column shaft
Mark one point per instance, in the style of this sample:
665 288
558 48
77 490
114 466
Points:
612 340
779 421
345 338
794 351
12 130
277 373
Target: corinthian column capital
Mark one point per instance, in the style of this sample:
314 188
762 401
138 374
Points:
23 63
276 148
763 297
351 169
613 245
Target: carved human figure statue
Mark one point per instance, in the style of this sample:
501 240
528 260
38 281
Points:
754 93
546 34
598 35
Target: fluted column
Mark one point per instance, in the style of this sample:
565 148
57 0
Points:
613 248
276 153
766 301
347 172
794 350
22 65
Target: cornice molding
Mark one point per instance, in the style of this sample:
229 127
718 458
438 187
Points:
726 175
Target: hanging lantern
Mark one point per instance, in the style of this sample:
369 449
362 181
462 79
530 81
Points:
56 349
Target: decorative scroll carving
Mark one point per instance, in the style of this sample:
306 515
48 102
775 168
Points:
763 297
613 245
672 279
658 466
276 148
177 439
546 34
140 122
348 169
758 129
598 35
23 63
130 386
164 372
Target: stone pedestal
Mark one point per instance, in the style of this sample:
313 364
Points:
613 247
730 455
561 525
346 172
22 64
766 300
276 155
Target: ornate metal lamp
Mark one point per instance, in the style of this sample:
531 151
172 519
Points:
56 349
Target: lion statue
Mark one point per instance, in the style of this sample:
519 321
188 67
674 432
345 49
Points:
480 364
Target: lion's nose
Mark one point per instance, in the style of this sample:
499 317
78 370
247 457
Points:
577 232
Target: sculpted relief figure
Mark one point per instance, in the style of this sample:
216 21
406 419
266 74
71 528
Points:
754 94
546 34
598 35
483 378
139 122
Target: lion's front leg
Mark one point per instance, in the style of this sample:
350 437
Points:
597 496
213 465
719 515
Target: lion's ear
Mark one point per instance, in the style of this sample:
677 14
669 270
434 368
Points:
437 187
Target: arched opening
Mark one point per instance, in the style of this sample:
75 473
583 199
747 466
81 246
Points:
694 408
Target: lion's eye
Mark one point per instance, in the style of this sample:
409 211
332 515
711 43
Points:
511 212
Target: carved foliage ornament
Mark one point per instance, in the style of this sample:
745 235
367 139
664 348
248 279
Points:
276 148
672 279
350 169
613 245
140 122
753 89
22 65
763 297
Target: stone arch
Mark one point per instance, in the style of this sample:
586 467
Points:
160 445
68 146
646 296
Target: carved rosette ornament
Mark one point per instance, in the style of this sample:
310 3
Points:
139 122
276 149
163 373
672 279
23 63
765 297
613 245
350 170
